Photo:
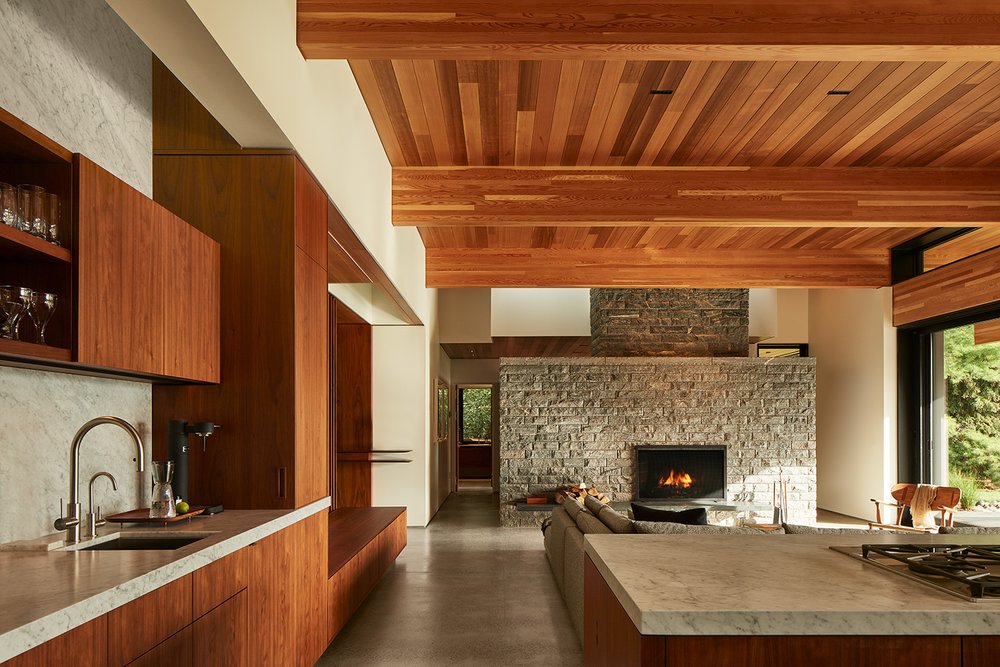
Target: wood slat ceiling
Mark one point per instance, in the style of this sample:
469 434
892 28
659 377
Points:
601 113
521 346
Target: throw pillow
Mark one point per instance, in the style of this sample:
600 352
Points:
572 506
666 528
696 516
616 521
589 524
592 504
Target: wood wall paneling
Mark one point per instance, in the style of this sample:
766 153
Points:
748 113
964 246
84 646
987 332
312 381
561 29
180 121
271 600
501 267
219 638
353 388
255 402
521 346
140 625
968 283
310 215
751 197
310 568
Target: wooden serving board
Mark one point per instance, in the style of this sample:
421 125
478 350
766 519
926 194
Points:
142 516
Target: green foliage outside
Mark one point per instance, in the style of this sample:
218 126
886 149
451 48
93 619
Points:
973 408
477 414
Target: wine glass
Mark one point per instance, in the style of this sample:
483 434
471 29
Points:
8 204
12 307
24 296
40 310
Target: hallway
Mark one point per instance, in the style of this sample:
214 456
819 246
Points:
463 592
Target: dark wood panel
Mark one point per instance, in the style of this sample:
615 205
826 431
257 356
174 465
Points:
521 346
271 601
980 651
19 142
140 625
752 197
245 203
353 389
817 651
179 119
604 29
312 381
610 638
219 637
968 283
190 301
120 319
85 646
310 574
220 580
351 528
310 215
175 651
501 267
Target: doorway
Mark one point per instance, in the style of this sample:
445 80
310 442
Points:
475 439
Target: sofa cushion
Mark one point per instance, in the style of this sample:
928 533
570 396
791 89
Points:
555 543
593 504
616 521
588 523
793 529
667 528
968 530
572 505
696 516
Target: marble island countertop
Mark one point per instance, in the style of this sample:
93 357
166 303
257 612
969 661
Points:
48 593
778 585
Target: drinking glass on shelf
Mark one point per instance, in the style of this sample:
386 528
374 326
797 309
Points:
40 308
11 308
32 204
52 216
8 204
25 296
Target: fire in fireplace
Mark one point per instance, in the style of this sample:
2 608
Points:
671 472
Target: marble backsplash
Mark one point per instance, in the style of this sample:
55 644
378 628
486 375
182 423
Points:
39 414
77 73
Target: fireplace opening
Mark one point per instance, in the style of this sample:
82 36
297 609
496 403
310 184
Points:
671 472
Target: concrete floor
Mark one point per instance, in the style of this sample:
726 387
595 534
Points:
463 592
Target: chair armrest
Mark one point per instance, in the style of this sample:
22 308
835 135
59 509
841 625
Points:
892 526
882 502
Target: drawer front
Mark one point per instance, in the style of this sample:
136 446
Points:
142 624
217 582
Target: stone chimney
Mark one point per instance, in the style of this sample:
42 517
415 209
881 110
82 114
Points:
669 322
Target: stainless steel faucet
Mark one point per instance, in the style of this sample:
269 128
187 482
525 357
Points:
71 521
94 519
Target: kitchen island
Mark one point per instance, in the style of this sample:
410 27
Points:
770 600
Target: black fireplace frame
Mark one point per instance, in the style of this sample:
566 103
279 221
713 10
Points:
696 448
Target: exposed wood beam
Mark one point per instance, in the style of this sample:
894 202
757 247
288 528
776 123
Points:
973 282
987 332
719 196
608 29
606 267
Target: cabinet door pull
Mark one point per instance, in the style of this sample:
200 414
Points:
282 486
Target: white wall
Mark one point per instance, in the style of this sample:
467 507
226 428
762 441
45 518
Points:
464 315
852 338
540 312
76 73
793 316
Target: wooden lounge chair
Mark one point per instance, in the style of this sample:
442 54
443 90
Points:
945 501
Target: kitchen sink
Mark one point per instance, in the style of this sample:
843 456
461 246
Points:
143 542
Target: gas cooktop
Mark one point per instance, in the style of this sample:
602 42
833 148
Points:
971 572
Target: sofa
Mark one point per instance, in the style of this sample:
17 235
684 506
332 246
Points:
564 535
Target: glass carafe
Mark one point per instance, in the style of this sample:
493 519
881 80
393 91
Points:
162 505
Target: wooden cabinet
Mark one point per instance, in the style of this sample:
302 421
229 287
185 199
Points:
85 646
147 283
218 581
271 594
310 609
175 651
144 623
219 638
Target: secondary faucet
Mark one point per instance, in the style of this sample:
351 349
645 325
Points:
71 522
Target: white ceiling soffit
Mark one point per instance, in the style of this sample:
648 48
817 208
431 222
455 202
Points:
369 302
172 31
558 311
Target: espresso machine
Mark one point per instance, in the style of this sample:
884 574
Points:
179 432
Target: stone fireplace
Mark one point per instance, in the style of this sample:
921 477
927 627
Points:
679 472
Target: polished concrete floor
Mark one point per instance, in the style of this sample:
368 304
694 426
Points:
464 592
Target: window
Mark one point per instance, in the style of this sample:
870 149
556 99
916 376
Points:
475 405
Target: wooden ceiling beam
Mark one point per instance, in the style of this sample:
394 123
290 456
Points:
612 267
608 29
668 196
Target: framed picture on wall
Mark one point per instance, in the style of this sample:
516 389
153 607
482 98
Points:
443 411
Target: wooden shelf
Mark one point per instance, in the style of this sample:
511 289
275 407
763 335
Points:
21 246
20 348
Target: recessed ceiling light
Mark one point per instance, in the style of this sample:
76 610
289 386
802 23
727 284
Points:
838 92
662 91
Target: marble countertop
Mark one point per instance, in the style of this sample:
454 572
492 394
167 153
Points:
48 593
778 585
